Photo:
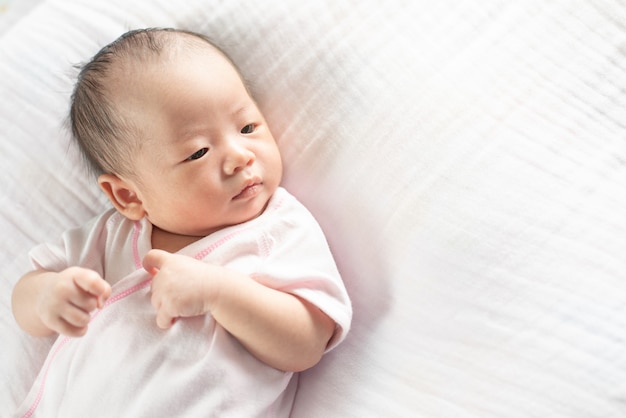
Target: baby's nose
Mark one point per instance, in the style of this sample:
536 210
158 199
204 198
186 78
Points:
237 159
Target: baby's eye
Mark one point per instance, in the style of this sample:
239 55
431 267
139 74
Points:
248 129
198 154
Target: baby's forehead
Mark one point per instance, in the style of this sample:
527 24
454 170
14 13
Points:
166 45
136 61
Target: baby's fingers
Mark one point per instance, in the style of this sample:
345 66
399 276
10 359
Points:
70 321
90 282
164 320
74 322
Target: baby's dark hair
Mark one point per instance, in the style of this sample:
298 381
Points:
104 136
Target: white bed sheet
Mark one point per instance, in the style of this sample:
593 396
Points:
12 11
467 160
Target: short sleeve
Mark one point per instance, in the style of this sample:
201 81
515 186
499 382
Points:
300 262
77 247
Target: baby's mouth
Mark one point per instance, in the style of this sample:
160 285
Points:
251 188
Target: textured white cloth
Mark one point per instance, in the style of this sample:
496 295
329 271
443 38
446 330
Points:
465 159
126 366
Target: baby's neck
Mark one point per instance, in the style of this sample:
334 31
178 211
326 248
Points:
167 241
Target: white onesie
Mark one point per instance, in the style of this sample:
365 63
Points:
126 366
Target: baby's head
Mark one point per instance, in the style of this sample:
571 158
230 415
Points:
104 134
165 119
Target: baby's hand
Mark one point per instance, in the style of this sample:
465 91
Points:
65 303
181 287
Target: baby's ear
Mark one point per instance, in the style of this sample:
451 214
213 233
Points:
122 195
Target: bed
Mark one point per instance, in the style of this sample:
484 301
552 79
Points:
466 159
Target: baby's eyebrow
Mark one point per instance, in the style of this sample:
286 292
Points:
243 109
186 134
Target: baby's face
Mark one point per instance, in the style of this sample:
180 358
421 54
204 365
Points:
207 158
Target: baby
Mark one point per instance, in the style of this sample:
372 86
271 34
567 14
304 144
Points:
202 239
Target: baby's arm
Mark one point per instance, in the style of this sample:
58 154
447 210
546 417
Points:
278 328
46 302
